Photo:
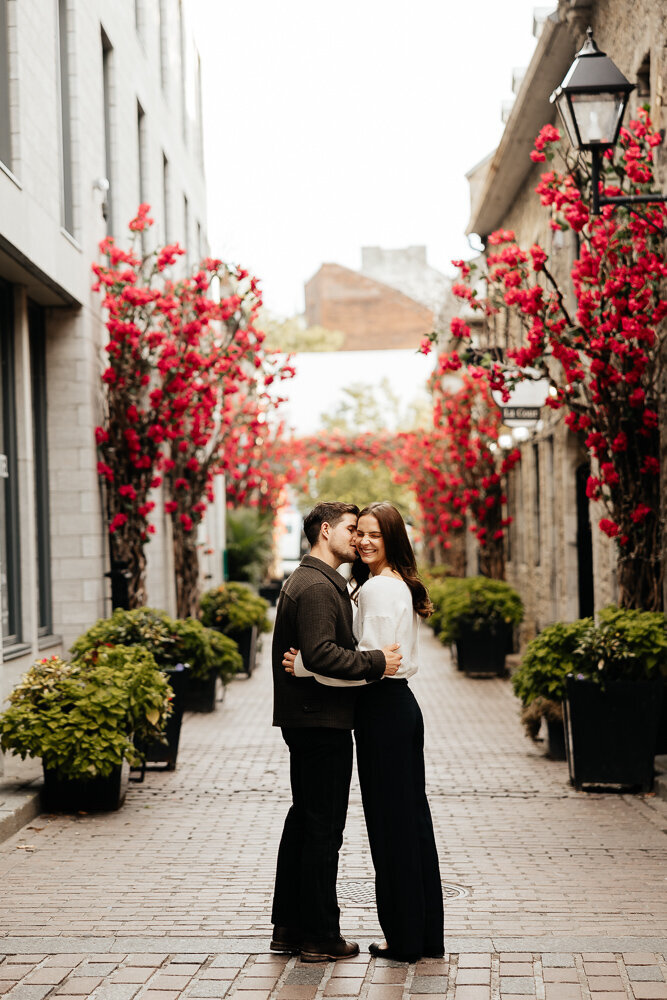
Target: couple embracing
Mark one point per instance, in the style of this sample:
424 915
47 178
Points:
351 673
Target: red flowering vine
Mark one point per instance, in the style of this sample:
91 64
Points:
181 356
603 357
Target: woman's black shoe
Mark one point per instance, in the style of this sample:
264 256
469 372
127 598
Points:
378 951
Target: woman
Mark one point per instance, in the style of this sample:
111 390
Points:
389 736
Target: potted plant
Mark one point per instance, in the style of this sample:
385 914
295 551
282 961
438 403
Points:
613 702
155 631
478 615
80 718
233 608
540 680
249 537
212 658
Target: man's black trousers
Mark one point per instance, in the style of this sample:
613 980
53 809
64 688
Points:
305 891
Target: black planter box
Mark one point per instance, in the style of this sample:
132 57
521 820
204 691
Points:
167 753
556 739
611 732
90 795
661 741
202 695
247 643
483 652
271 591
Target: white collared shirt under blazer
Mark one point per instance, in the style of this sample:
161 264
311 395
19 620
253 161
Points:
384 615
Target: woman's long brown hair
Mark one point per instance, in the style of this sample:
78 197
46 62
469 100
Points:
399 554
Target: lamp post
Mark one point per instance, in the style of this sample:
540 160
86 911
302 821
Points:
591 101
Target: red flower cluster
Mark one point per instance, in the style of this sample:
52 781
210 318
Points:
608 349
185 390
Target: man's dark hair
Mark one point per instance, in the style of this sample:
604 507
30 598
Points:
330 512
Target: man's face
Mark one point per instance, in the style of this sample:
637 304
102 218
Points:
341 539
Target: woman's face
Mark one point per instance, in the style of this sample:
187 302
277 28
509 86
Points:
370 544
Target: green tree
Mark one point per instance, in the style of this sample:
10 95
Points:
367 408
291 335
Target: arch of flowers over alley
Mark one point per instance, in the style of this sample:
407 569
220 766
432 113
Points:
190 389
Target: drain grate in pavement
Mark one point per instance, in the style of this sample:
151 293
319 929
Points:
362 891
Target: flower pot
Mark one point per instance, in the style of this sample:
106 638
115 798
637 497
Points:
84 795
661 741
483 652
247 643
271 591
611 732
202 695
167 753
556 739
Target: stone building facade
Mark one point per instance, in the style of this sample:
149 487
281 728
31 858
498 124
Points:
100 109
373 313
558 559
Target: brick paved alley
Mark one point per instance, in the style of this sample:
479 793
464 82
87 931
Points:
550 893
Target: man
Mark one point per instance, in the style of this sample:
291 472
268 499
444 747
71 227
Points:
314 615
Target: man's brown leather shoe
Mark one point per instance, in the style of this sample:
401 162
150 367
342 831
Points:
286 939
328 951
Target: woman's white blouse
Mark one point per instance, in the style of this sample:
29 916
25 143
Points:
383 615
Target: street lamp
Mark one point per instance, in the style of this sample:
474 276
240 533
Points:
591 101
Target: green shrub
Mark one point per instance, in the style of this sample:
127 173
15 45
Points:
474 602
170 640
249 539
623 645
80 717
626 645
232 608
227 660
549 658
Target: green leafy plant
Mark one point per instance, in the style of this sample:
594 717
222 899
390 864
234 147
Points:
539 681
80 717
474 602
232 608
170 640
249 536
623 645
228 660
626 644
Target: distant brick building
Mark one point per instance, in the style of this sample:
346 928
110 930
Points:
371 313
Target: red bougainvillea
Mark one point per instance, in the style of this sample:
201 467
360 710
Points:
603 356
187 379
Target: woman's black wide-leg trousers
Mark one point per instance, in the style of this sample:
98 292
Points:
389 734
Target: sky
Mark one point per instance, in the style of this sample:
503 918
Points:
335 125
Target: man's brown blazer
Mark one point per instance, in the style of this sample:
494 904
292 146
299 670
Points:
314 615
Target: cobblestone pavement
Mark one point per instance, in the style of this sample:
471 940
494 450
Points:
550 893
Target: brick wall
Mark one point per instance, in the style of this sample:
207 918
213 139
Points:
372 315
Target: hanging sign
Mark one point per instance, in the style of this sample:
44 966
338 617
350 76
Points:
524 406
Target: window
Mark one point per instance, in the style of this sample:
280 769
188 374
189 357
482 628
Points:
10 565
181 49
67 206
5 127
536 506
38 387
644 78
141 163
200 113
138 17
163 42
107 57
166 220
186 231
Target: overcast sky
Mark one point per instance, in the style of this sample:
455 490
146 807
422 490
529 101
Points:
335 125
